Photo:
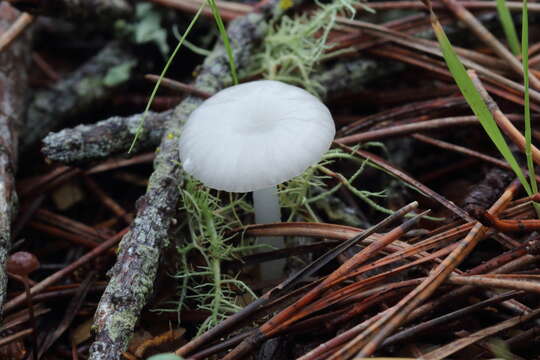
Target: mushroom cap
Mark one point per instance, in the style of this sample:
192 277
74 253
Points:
255 135
22 263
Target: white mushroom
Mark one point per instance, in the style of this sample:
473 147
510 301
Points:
253 136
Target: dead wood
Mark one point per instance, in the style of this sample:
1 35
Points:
14 63
82 90
98 141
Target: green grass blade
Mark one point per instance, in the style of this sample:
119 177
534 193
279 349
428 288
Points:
139 130
527 107
225 38
475 101
508 26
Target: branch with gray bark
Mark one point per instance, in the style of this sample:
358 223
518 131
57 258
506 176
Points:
114 135
109 137
82 90
14 62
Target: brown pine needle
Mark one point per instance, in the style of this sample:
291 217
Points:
455 346
292 313
178 86
367 342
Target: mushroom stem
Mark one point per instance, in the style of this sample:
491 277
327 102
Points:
267 210
266 204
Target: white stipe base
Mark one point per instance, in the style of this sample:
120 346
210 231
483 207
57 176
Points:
267 211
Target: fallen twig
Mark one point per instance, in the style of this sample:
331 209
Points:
108 137
7 36
78 92
14 63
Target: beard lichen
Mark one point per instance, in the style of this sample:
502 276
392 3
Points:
208 218
294 47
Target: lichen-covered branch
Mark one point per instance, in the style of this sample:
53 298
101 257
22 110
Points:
85 88
132 277
13 83
92 10
98 141
114 135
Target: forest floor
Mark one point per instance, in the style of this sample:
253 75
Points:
110 250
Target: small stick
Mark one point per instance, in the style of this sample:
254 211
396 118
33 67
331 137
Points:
179 86
68 224
487 281
7 37
445 351
11 338
446 318
78 239
45 67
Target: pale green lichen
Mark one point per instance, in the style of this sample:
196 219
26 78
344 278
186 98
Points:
119 74
207 286
301 192
120 323
294 47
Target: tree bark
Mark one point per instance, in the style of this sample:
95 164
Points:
14 62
